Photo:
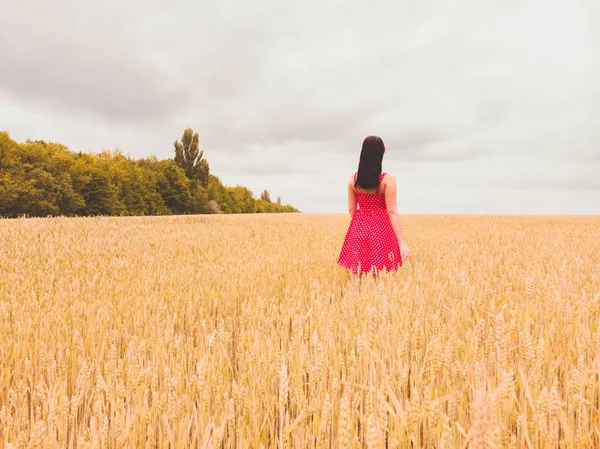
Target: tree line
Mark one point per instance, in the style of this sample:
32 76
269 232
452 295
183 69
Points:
39 178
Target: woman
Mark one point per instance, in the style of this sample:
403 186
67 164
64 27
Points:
375 239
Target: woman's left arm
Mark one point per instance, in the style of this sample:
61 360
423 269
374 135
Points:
351 197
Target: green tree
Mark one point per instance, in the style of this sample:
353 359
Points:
40 178
199 198
98 194
265 196
127 177
151 174
243 200
174 188
11 176
190 158
218 193
36 180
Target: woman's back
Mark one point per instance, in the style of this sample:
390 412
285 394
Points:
371 200
370 241
373 237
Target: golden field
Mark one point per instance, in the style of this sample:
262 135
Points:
241 331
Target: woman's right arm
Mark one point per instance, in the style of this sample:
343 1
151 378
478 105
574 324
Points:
392 209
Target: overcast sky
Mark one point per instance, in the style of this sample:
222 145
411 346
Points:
485 107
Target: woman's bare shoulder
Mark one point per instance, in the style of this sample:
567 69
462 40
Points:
388 179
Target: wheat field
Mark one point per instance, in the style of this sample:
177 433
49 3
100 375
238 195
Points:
241 331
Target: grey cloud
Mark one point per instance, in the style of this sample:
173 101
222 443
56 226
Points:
432 145
570 182
287 91
107 81
490 112
108 67
288 124
262 166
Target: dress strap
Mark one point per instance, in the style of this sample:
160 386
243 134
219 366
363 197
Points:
380 179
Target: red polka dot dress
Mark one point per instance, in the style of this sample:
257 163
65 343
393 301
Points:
370 242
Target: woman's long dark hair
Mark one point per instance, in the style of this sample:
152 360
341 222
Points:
369 166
